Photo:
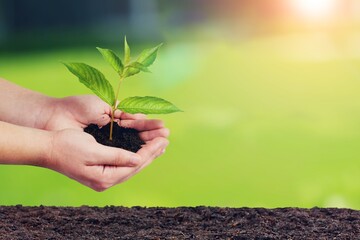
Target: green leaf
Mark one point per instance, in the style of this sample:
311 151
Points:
94 80
147 105
139 66
148 56
130 71
126 52
112 59
135 68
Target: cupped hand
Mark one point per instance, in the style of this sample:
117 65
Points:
148 128
77 155
77 112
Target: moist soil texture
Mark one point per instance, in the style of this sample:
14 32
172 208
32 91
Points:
18 222
126 138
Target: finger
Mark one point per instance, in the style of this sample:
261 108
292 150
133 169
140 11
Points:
116 157
143 124
128 116
150 135
152 150
148 153
119 174
107 109
103 120
117 114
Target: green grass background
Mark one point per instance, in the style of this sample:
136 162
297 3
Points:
271 122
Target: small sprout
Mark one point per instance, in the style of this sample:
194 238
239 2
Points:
96 81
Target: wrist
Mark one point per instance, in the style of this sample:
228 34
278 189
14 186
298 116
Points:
46 153
45 111
31 146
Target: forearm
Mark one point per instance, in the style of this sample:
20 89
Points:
23 145
22 106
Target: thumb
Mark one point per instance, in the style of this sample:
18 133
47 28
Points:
116 157
102 120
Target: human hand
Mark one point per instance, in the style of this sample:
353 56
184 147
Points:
149 129
65 147
76 112
77 155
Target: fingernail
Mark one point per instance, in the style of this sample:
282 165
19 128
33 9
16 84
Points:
161 152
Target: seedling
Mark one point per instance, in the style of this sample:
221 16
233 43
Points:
96 81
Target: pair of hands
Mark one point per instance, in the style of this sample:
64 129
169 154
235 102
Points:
77 155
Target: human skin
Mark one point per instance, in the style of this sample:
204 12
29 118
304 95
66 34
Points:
48 132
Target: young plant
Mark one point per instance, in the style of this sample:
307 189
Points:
96 81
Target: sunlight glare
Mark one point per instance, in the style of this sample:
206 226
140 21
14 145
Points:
315 9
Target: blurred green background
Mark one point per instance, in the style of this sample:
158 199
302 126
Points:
270 89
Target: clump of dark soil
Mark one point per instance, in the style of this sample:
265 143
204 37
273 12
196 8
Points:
126 138
17 222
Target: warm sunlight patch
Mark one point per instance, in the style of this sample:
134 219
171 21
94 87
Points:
315 9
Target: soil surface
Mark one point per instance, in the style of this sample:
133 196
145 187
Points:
17 222
126 138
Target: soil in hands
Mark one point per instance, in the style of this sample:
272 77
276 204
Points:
125 138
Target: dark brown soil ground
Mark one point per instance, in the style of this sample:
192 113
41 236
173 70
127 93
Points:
19 222
126 138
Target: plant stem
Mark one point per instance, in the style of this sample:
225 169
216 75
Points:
114 108
117 90
111 124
